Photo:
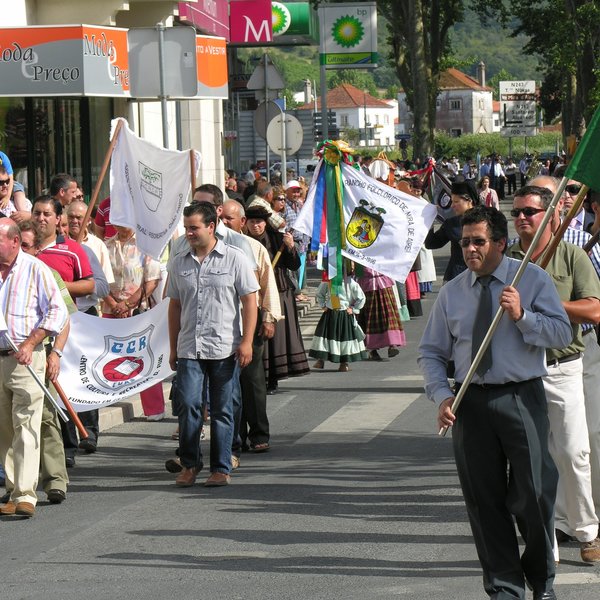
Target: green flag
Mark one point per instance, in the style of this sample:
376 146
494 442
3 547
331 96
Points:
585 164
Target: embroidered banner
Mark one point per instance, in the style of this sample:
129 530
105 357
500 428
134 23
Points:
107 360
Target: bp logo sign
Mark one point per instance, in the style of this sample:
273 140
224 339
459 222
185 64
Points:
347 31
364 225
281 18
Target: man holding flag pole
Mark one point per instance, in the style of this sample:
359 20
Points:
504 424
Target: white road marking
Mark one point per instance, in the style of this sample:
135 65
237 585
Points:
361 419
418 378
576 578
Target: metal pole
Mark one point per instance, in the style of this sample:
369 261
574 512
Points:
160 27
283 149
324 121
266 103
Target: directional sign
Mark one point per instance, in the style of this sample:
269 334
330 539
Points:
518 108
518 131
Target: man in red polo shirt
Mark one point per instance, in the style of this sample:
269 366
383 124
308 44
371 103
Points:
64 255
70 261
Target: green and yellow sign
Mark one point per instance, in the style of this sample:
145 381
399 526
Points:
348 35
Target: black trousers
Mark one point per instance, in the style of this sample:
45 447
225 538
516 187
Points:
500 441
89 420
254 426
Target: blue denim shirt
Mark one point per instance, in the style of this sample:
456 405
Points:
209 293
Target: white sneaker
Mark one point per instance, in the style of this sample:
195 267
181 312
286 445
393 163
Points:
158 417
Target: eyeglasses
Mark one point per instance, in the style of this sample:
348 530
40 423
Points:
466 242
80 197
4 181
573 189
528 211
26 246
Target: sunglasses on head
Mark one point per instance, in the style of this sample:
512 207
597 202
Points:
528 211
466 242
573 189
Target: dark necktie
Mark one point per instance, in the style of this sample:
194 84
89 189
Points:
483 320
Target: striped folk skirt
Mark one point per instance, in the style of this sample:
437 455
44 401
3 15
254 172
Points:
380 320
337 338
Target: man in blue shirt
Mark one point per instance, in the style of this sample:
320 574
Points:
502 425
208 336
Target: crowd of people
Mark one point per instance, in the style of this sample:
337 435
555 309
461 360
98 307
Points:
531 411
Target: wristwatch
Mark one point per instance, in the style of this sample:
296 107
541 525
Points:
57 352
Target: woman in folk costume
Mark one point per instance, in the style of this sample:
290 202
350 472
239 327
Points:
284 353
463 198
380 318
338 337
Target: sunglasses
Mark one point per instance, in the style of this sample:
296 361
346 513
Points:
4 181
26 246
528 211
573 189
466 242
80 197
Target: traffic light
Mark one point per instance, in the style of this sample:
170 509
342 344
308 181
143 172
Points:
317 127
333 130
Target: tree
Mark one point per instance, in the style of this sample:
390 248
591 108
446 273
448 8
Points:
419 32
350 135
566 36
494 82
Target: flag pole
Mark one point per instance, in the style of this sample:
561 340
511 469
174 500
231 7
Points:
558 236
193 171
100 180
490 333
83 434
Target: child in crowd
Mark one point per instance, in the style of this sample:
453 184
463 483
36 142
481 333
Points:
338 338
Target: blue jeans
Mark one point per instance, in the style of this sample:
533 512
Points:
191 377
236 396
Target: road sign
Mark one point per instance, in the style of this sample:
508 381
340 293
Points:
274 81
518 108
293 135
518 131
265 112
181 79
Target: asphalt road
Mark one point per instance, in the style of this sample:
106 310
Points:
358 498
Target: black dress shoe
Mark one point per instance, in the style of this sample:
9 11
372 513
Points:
56 496
70 462
549 595
89 445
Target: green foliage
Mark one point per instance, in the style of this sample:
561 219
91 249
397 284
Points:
350 135
494 82
495 46
488 143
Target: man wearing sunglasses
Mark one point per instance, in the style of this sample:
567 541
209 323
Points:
579 289
502 423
